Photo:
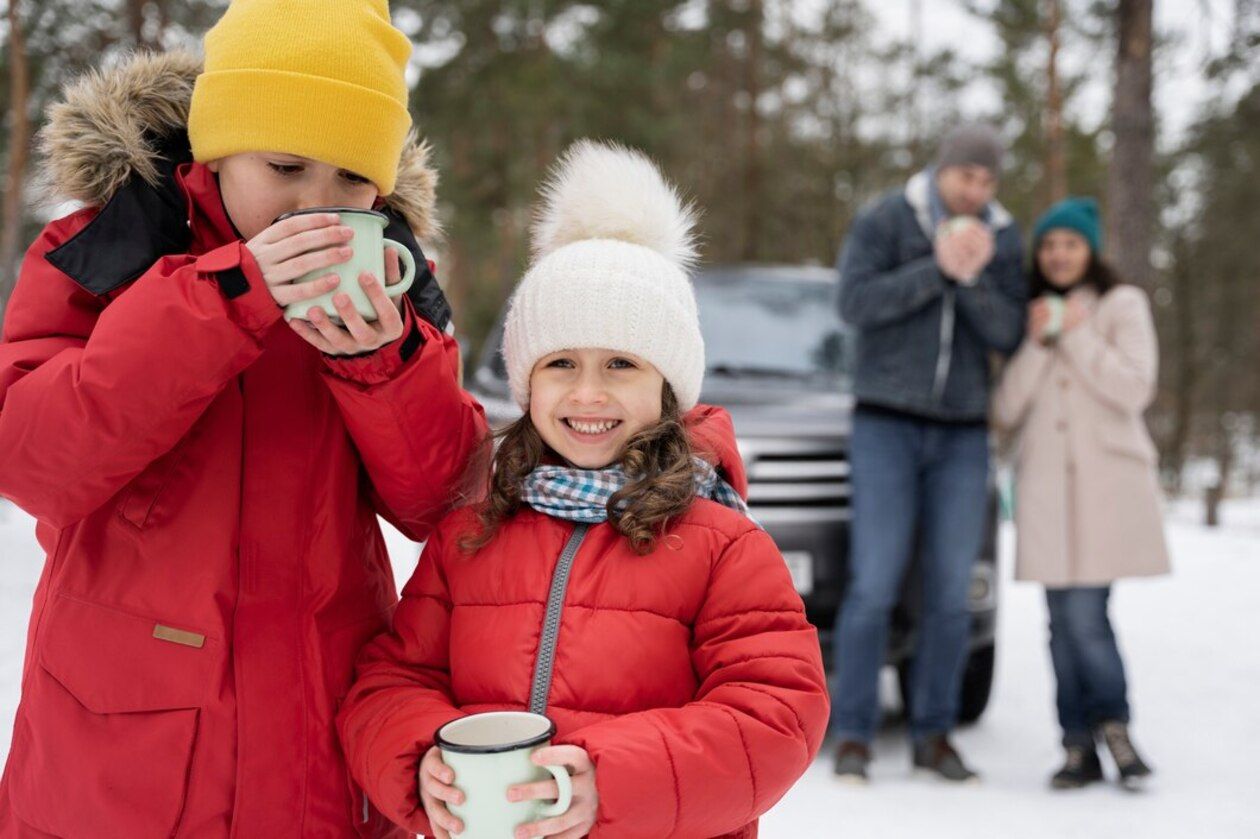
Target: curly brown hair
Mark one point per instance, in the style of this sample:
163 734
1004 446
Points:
657 459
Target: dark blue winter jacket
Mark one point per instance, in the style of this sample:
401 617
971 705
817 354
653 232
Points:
923 341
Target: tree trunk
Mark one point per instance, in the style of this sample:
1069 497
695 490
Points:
19 152
753 206
135 22
1056 166
1216 493
1184 363
1130 208
458 270
914 101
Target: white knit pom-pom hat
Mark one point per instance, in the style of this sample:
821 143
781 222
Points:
613 246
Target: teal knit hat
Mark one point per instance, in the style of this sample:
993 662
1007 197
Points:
1079 215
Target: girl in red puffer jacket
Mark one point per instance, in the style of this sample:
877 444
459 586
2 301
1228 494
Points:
612 579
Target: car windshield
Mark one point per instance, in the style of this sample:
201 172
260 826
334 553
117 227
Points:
777 325
780 323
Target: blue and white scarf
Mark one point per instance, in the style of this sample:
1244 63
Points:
582 495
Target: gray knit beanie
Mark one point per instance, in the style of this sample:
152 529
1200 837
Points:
976 144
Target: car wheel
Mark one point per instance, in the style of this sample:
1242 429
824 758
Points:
977 683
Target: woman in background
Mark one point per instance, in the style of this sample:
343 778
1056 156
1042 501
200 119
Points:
1087 498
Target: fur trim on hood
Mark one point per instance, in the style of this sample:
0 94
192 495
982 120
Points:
103 133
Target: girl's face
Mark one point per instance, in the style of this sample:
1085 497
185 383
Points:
1063 257
258 186
586 404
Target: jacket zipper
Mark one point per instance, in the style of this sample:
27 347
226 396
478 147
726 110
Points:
945 352
546 660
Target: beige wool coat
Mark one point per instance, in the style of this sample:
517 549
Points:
1087 501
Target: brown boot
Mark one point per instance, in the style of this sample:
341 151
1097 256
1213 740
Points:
851 760
935 754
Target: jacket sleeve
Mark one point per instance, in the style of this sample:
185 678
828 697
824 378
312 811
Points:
995 307
1023 377
1121 371
874 289
402 695
712 435
758 719
91 394
414 426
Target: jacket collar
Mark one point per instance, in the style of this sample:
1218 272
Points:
208 218
918 193
141 222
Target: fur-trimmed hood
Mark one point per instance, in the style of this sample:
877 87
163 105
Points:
111 123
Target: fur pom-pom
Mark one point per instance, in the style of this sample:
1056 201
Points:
606 191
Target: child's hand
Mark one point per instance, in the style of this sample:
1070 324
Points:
436 792
300 244
580 817
357 335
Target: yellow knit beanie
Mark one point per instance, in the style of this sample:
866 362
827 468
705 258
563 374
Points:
322 79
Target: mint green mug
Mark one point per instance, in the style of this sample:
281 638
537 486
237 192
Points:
490 752
1054 327
368 246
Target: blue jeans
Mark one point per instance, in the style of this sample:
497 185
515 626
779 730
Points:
910 477
1088 670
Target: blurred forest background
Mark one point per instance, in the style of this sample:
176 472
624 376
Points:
781 119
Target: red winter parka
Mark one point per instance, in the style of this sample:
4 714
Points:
690 675
207 488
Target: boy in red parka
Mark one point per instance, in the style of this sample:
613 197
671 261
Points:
206 477
685 681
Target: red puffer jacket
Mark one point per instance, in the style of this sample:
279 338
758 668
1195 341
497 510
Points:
690 675
207 487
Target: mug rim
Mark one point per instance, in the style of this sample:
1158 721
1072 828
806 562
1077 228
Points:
461 748
310 210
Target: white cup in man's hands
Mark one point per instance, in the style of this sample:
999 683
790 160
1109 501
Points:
964 246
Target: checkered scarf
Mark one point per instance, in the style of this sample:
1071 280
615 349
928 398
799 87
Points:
582 495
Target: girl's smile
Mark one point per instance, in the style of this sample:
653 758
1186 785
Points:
590 429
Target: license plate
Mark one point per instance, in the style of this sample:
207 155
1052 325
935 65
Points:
801 566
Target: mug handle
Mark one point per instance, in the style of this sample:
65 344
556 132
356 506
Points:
409 270
565 784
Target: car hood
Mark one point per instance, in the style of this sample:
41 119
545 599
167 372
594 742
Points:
768 408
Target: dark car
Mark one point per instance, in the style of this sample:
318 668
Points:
777 356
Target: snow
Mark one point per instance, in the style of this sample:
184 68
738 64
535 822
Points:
1194 670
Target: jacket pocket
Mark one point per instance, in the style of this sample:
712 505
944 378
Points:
1131 442
141 495
369 823
108 724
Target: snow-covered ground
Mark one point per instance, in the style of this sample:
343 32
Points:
1194 669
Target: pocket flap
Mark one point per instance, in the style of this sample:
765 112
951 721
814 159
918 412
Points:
1129 442
115 662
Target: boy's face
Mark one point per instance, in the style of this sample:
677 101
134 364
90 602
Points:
587 403
258 186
